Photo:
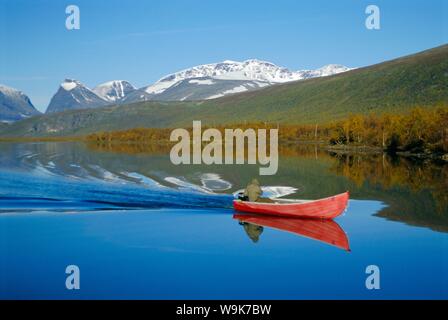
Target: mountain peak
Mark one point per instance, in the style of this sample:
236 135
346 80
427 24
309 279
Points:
70 84
8 90
258 62
114 90
229 62
14 105
330 69
72 94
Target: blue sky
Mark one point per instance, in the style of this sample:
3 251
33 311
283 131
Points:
141 41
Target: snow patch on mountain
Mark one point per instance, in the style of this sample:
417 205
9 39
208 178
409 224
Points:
237 89
114 90
159 87
68 85
199 81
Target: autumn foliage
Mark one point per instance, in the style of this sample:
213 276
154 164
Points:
420 130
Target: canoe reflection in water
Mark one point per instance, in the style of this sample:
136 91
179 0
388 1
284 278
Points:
326 231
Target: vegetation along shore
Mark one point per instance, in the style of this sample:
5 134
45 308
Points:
420 132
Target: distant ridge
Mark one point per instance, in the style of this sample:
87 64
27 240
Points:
15 105
209 81
416 80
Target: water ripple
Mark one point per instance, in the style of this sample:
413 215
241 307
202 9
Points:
22 191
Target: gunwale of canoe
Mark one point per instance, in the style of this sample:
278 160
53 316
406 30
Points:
325 208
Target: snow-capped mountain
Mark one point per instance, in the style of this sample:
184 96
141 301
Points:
114 91
15 105
209 81
325 71
249 70
72 94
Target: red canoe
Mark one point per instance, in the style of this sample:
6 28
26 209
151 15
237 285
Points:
326 231
326 208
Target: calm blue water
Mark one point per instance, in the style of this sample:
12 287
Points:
170 236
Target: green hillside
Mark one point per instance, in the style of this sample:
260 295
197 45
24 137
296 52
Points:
394 86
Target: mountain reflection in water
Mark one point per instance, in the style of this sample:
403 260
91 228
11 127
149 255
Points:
162 231
415 191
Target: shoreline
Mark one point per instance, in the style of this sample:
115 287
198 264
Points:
320 144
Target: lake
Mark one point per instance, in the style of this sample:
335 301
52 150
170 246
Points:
139 227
